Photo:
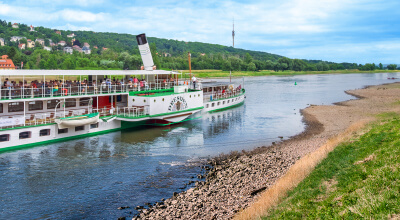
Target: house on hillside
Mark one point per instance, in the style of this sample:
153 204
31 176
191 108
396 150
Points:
21 46
71 35
68 50
105 48
32 28
2 42
40 41
31 43
58 32
47 48
86 50
86 44
77 48
95 47
62 43
15 25
16 38
51 43
6 64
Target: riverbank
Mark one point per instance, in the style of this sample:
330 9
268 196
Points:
220 73
236 180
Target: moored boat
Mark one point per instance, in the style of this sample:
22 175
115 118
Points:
57 105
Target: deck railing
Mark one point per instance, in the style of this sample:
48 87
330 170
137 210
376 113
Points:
209 96
7 93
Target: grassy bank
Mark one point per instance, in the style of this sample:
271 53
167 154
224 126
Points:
220 73
359 179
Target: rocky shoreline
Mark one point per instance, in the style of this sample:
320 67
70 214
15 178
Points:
234 181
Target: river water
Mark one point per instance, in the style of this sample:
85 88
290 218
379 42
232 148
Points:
90 178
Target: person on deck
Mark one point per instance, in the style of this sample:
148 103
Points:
194 82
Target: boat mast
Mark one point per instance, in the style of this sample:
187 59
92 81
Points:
190 67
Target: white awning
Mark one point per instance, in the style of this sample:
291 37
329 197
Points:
83 72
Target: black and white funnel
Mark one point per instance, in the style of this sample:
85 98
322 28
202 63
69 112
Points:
145 52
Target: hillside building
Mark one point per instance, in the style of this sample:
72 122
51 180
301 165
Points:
31 43
2 43
62 43
47 48
71 35
15 25
6 64
68 50
86 50
32 28
39 41
21 46
16 38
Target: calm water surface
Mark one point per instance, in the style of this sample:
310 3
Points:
90 178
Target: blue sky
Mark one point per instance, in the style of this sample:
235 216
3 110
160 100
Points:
361 31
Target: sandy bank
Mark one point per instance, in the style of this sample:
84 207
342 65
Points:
236 180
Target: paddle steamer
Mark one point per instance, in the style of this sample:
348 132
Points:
45 106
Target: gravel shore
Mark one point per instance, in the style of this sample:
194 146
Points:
233 182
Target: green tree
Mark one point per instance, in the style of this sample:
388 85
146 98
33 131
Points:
251 67
12 52
155 55
248 59
380 66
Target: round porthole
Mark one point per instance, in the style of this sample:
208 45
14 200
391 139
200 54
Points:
144 100
198 95
190 96
162 99
133 100
154 100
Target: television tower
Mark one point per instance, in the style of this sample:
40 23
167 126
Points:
233 33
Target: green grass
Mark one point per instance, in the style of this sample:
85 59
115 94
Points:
220 73
360 179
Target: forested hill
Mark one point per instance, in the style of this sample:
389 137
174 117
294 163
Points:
60 49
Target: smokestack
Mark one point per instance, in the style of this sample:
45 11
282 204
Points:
145 52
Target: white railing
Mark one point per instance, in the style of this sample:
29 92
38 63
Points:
219 95
68 90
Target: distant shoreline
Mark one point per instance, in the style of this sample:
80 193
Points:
226 74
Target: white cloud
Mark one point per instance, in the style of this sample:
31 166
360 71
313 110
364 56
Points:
81 16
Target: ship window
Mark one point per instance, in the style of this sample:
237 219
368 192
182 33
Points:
1 107
218 103
133 100
154 100
44 132
15 107
233 100
162 99
207 106
70 103
25 135
51 104
229 100
198 95
63 131
80 128
223 102
4 137
190 96
212 104
84 101
94 125
36 105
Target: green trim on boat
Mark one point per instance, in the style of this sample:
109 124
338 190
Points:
232 106
124 125
162 114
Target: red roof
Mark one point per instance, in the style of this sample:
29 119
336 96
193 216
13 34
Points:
6 63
